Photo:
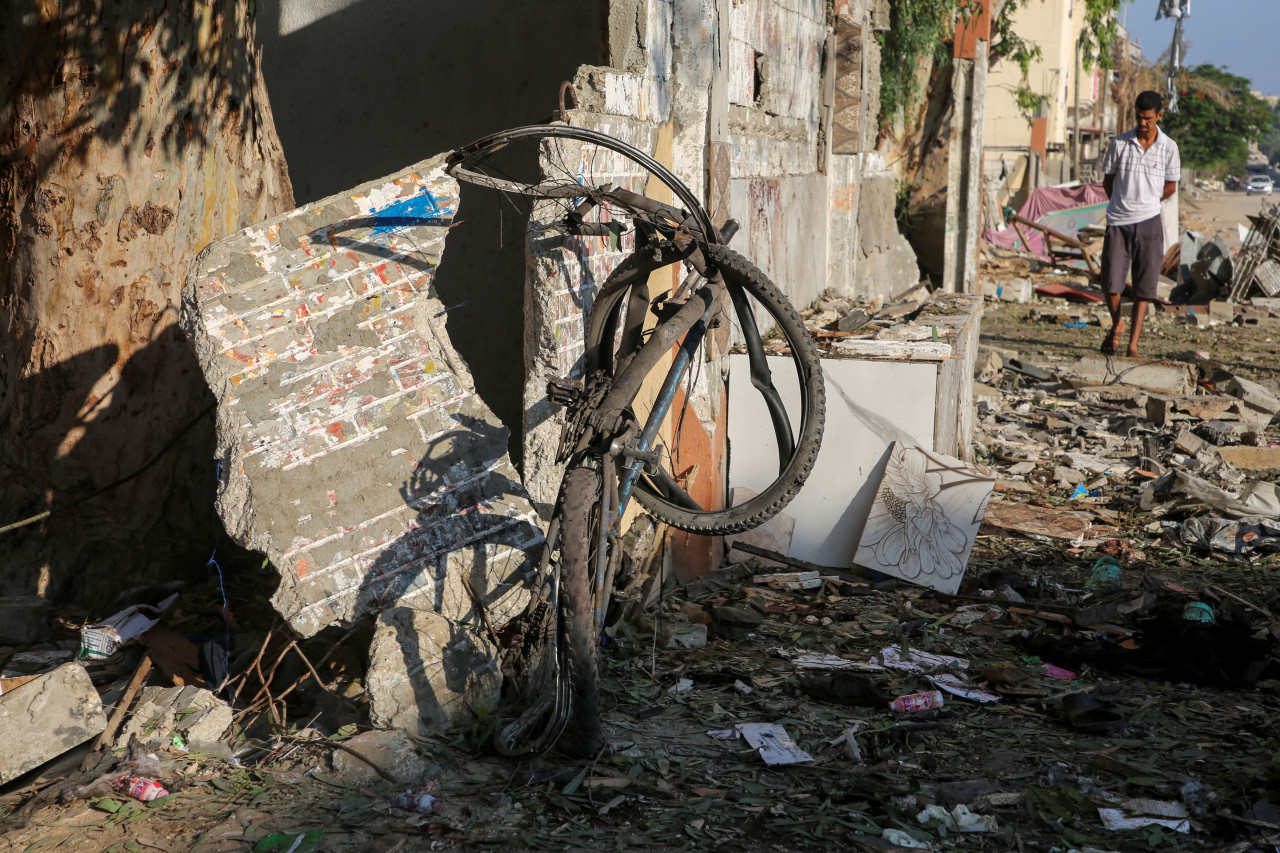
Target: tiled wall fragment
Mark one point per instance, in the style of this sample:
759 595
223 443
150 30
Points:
355 452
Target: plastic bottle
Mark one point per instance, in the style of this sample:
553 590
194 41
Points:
916 702
141 788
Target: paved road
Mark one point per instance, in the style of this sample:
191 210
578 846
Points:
1220 212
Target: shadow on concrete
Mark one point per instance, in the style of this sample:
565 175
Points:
363 88
451 560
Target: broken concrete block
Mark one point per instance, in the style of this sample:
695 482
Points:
684 636
427 674
22 620
47 716
193 713
1252 459
1220 433
989 361
1008 290
1068 476
1190 443
393 751
1253 394
355 452
1162 377
1117 394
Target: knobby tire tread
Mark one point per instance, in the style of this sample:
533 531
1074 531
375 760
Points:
579 505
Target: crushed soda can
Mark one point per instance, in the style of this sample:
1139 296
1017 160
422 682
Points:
914 703
141 788
422 799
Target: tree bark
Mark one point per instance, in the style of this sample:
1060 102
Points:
132 134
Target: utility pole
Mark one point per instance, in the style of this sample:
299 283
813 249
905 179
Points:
1075 142
964 160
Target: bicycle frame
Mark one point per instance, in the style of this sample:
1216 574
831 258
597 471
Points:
601 431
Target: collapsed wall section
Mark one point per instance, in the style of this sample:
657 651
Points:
354 451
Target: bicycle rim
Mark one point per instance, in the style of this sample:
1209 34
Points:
664 492
559 172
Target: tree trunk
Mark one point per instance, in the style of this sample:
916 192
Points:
132 133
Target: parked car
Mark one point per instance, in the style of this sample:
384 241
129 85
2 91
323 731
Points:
1258 184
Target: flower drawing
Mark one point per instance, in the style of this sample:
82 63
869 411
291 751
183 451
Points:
907 527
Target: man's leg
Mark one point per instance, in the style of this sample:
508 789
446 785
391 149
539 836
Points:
1135 326
1148 255
1115 268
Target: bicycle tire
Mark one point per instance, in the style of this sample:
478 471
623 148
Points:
579 511
740 273
497 141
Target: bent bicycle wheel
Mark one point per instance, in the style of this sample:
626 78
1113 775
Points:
796 416
579 518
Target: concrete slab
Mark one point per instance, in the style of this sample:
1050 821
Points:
354 451
193 713
47 716
394 752
1252 459
1162 377
427 674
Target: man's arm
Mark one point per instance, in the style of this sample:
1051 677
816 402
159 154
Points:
1170 187
1109 181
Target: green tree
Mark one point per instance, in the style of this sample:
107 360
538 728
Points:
1269 143
1217 117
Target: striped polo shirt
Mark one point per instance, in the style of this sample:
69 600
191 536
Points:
1140 176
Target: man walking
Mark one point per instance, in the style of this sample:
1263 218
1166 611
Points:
1141 169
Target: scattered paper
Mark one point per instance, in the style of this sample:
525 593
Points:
1116 819
769 739
959 819
901 839
918 661
957 687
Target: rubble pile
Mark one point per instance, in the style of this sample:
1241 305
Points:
1167 444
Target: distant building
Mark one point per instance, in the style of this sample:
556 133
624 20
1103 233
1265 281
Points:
1027 151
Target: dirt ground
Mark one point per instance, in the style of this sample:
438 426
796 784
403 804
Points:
1170 723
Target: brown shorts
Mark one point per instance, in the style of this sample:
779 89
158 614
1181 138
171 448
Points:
1138 247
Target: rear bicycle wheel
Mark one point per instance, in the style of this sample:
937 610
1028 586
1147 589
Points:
797 427
579 513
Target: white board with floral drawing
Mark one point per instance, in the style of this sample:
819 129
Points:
925 517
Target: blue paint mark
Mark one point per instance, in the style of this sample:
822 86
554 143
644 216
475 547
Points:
421 209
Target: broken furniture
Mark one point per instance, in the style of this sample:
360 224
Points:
1258 262
1069 252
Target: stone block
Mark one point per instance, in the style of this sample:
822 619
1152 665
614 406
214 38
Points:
393 751
1018 290
355 452
1251 459
427 674
1161 377
47 716
1190 443
22 620
1253 394
193 713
